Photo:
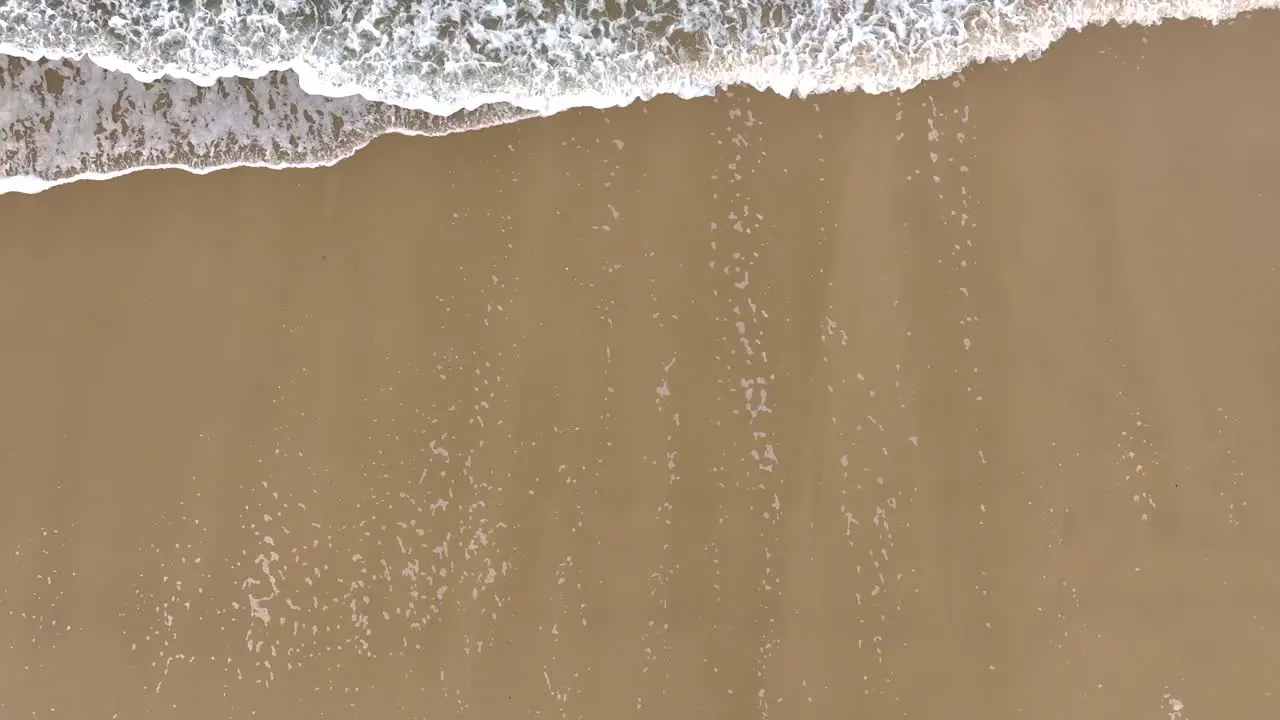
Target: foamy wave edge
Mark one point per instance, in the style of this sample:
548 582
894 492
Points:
1016 32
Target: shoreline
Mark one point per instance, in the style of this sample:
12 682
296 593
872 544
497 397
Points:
27 184
954 403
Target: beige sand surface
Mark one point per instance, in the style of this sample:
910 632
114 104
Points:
961 404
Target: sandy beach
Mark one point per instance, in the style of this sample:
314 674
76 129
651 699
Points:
960 403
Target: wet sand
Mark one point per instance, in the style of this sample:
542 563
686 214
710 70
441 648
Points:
953 404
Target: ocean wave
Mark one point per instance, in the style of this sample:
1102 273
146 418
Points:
95 88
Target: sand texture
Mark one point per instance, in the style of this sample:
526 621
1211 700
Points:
954 404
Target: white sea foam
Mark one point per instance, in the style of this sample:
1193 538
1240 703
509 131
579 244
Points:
96 88
63 121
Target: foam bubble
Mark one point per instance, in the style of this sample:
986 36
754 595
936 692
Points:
205 84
